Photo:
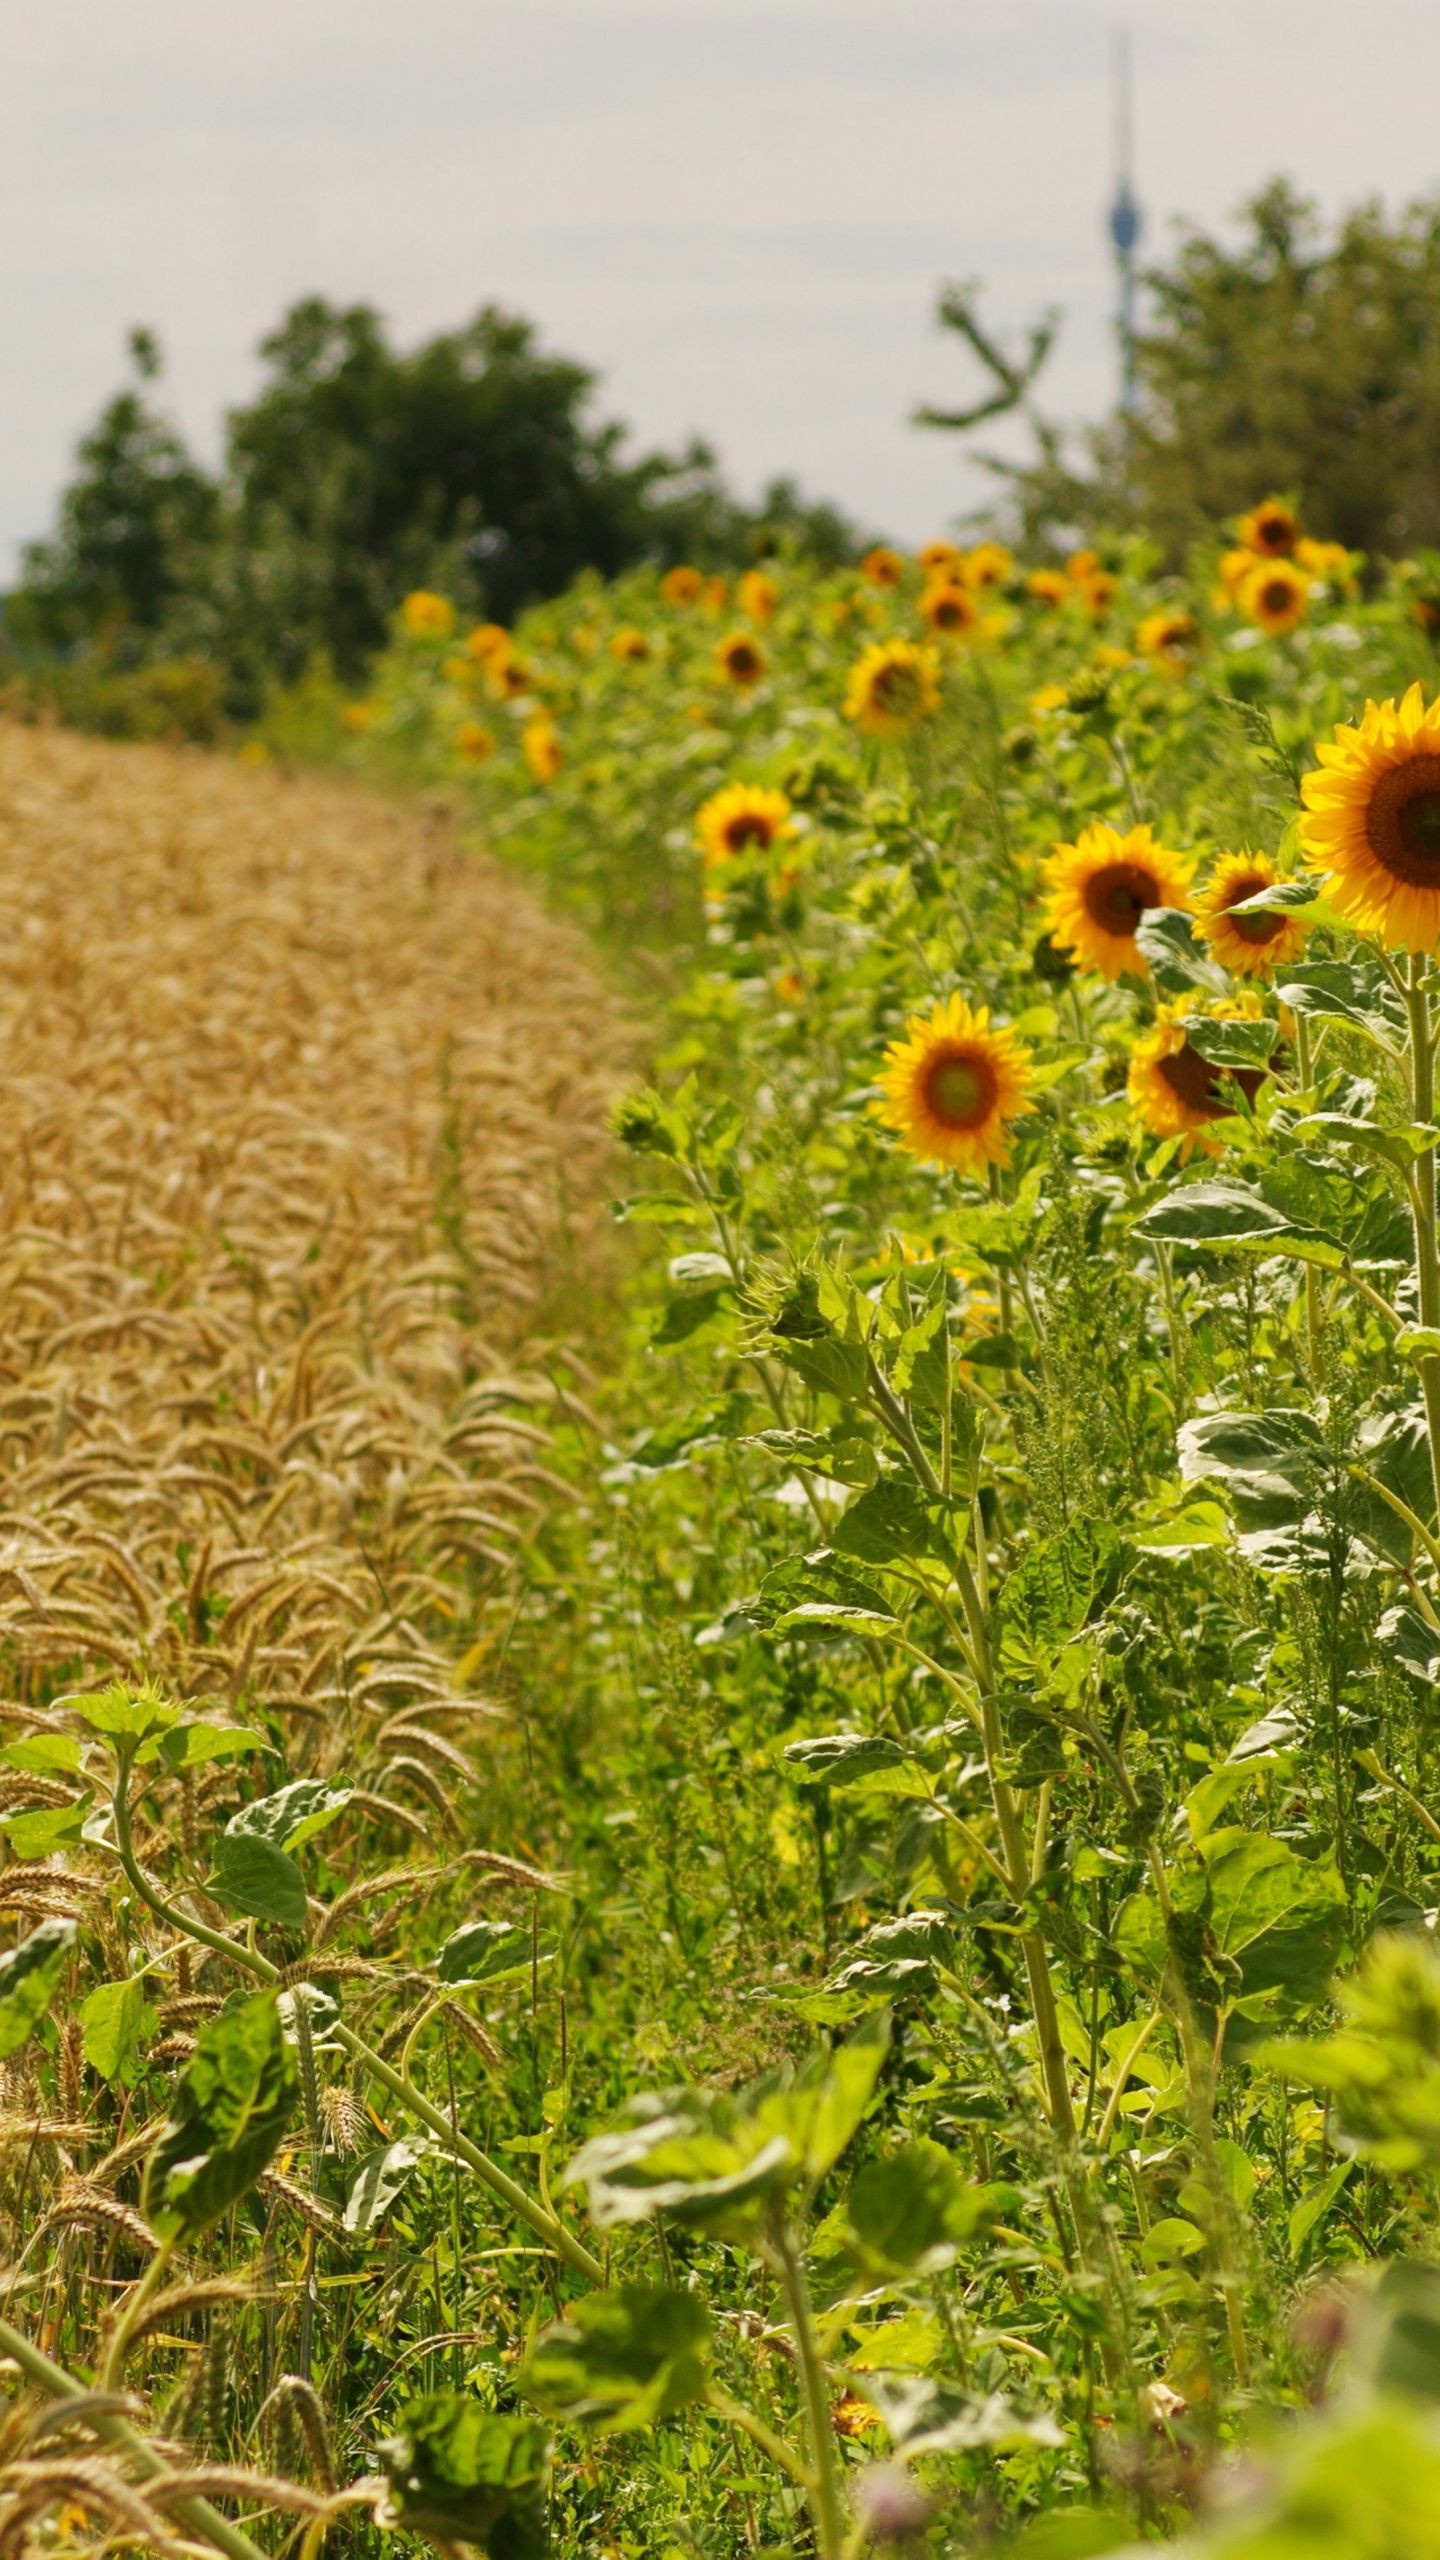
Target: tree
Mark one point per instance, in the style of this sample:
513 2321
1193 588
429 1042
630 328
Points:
474 464
131 522
1296 361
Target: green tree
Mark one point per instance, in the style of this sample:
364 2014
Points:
131 523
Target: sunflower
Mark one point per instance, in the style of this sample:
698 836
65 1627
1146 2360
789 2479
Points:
1372 821
1047 586
473 742
1251 946
882 566
508 676
757 595
1081 565
1272 530
487 640
1275 594
1097 592
714 595
427 617
988 565
1328 560
932 557
540 746
1101 886
893 687
952 1086
740 659
951 611
1173 1090
1235 567
738 818
1170 637
628 643
681 585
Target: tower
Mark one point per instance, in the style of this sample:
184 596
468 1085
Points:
1125 220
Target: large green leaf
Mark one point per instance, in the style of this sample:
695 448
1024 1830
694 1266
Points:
457 2472
622 2359
254 1875
116 2021
1049 1596
29 1975
229 2111
293 1814
492 1951
911 2213
817 1590
1212 1217
860 1764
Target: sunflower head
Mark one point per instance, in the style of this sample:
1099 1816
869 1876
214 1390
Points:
950 609
1328 560
882 566
988 565
508 676
938 559
1098 592
1250 946
426 616
952 1086
1275 594
628 643
1170 637
740 659
488 640
474 742
682 585
1048 587
1372 821
757 595
1101 886
740 819
893 686
1271 530
540 746
1174 1091
1081 565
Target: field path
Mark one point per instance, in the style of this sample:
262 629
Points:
301 1116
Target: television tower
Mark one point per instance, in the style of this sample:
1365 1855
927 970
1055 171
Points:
1125 219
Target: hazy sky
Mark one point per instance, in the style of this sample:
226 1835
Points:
737 210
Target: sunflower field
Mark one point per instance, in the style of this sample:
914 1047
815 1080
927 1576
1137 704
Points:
957 2062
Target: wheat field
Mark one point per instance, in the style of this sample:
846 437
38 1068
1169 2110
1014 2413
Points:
302 1113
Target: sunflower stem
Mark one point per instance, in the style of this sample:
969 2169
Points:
1427 1259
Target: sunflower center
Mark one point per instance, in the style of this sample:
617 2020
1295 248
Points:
1201 1086
1277 596
960 1089
746 830
1117 895
743 662
895 688
1257 928
1402 821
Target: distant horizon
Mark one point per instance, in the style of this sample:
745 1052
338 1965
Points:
737 215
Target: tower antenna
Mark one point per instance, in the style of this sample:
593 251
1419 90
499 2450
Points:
1125 216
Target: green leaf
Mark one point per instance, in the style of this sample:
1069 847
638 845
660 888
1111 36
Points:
116 2021
622 2359
817 1590
254 1876
380 2180
893 1524
1277 1917
1049 1596
45 1753
685 1314
925 2416
491 1951
1331 990
195 1746
675 1442
457 2472
1178 962
29 1976
859 1763
229 2112
292 1815
46 1828
1233 1043
1222 1216
910 2214
1310 2212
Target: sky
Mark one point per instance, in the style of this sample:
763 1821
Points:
737 211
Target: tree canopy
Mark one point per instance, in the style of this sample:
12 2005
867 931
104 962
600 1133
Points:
475 462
